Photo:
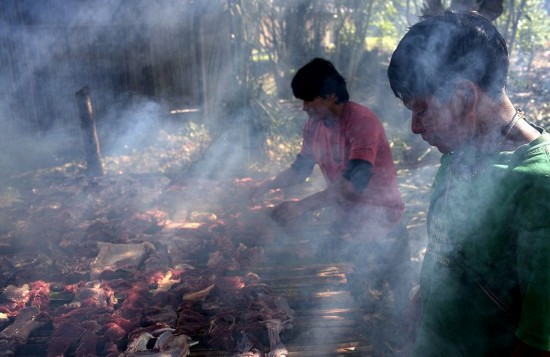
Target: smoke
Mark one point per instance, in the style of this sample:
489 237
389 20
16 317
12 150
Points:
118 48
61 46
53 48
130 127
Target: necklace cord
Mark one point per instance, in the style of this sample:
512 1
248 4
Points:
517 116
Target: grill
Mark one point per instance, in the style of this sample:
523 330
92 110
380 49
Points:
327 321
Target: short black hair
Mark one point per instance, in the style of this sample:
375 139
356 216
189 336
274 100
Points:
319 78
441 49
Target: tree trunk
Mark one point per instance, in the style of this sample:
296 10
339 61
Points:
362 21
431 7
519 14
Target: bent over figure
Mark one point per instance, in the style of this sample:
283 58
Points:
348 143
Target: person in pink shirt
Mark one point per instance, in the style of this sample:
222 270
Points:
348 143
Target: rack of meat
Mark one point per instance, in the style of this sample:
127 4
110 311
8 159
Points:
122 266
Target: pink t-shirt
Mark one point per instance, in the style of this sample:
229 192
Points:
359 134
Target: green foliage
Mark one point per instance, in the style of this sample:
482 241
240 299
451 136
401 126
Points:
387 21
533 27
358 36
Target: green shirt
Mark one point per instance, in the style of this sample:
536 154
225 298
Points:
488 234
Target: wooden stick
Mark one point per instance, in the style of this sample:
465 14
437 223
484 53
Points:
89 133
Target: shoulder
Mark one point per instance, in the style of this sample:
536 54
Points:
355 110
356 114
533 159
530 182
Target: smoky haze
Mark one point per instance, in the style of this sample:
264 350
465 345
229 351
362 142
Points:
122 52
156 69
141 61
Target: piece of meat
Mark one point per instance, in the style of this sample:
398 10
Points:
113 332
135 301
94 294
16 294
63 336
247 346
16 334
198 295
125 257
40 294
14 298
178 345
155 314
89 341
158 340
191 323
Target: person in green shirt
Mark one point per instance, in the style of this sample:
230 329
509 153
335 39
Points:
485 279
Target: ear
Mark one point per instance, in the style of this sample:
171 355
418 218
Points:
464 106
465 98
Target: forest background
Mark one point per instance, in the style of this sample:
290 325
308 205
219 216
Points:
183 86
191 101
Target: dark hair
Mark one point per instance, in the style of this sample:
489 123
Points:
319 78
442 49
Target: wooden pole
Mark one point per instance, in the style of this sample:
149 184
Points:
89 133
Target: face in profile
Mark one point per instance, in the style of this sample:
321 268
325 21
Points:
439 123
320 109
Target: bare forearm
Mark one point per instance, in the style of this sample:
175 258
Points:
288 211
287 178
317 200
339 192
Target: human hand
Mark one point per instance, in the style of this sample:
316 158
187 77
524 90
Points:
287 211
257 189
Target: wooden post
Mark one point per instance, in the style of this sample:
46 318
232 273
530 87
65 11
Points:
89 133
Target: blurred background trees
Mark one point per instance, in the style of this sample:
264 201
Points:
225 65
358 36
